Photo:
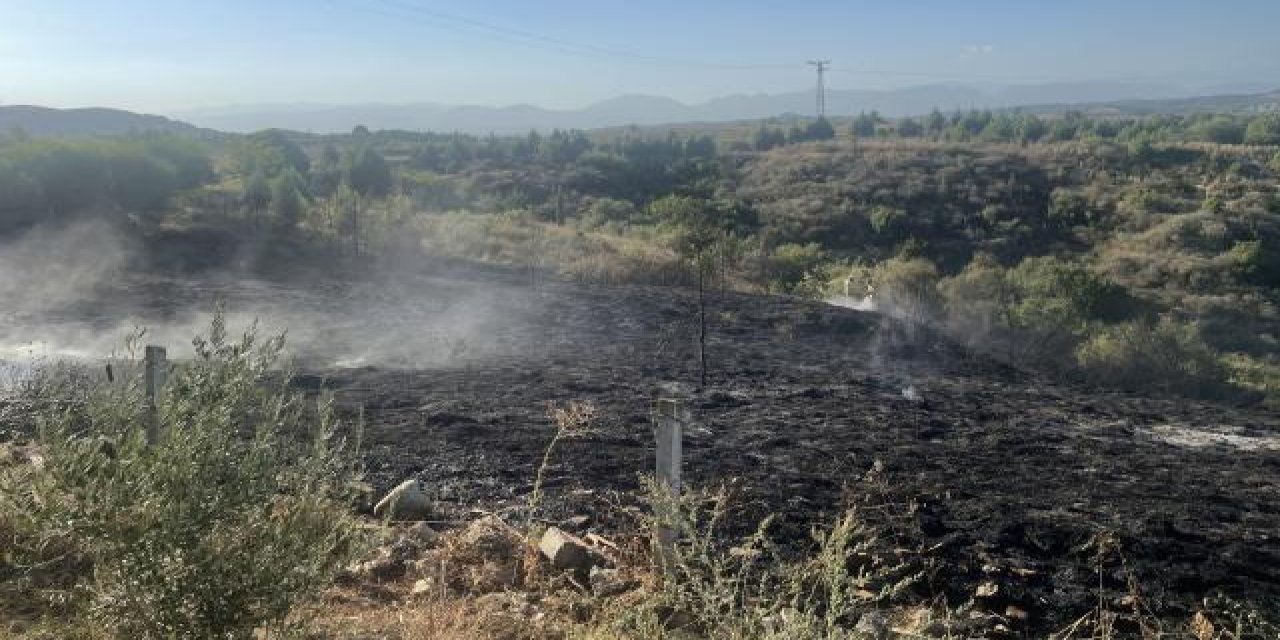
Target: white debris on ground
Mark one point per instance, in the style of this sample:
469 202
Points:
1210 436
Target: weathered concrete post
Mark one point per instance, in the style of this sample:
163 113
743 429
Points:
670 418
154 374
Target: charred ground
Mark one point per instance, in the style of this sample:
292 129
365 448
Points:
995 476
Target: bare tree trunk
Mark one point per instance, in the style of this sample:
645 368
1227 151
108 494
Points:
355 226
702 326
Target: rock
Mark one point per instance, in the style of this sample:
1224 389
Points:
488 539
606 583
566 551
408 501
423 587
576 523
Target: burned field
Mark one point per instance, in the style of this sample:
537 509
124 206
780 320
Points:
1030 498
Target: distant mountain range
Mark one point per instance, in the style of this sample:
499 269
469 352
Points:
1093 98
47 122
655 110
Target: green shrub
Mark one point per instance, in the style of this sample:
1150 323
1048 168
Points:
1167 355
1256 262
237 514
908 287
1263 129
888 221
1257 374
789 263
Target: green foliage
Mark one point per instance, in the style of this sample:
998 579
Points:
1053 286
790 263
908 287
1025 128
1257 262
1263 130
910 128
367 172
1068 208
767 137
44 180
239 512
326 173
1038 311
1167 355
603 211
1219 129
270 152
819 129
864 125
888 221
287 204
864 559
979 300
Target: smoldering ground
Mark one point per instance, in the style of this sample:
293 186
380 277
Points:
77 293
451 373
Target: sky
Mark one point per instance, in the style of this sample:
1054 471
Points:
177 55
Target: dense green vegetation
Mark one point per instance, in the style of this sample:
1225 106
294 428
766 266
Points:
45 180
1143 252
218 528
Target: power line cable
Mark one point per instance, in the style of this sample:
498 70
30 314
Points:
450 22
406 10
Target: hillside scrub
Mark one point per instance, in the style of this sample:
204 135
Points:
240 512
1172 213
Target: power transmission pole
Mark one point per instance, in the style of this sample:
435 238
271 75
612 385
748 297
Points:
822 85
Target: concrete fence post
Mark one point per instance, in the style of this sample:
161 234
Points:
670 419
154 377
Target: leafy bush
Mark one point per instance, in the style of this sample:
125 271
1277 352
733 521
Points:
57 179
238 513
908 287
789 263
1166 355
1263 130
1257 262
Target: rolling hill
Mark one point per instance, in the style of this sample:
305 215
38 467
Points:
48 122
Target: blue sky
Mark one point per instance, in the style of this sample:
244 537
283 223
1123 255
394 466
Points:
181 54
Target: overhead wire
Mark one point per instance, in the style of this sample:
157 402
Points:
418 14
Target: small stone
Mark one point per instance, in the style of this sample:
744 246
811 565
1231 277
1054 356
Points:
1015 613
422 588
408 501
986 590
566 551
576 523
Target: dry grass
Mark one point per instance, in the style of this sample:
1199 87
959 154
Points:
585 257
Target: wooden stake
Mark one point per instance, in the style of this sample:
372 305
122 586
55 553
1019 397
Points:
670 418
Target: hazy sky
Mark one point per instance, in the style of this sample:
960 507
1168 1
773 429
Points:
177 54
